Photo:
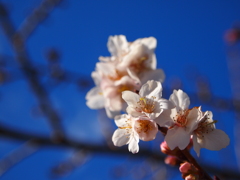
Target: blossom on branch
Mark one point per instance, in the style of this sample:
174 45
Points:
207 136
130 65
131 129
181 121
148 102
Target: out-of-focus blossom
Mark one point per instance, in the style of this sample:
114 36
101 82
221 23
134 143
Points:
207 136
131 129
180 120
148 102
130 65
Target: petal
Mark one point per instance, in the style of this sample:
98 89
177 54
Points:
177 137
120 137
150 42
130 97
215 140
196 145
164 119
132 111
180 99
151 88
165 104
156 75
133 144
193 119
95 99
120 120
117 45
146 128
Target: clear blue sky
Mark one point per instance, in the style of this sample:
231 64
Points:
189 34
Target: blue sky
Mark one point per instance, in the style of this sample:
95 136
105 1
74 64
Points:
189 39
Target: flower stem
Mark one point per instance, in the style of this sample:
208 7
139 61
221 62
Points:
190 158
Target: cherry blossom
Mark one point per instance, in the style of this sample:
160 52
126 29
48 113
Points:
207 136
148 102
129 66
181 121
131 129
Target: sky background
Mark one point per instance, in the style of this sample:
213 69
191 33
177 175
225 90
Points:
190 42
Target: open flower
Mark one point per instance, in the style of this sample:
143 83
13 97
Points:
148 102
207 136
181 121
131 129
130 65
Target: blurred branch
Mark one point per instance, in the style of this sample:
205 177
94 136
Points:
31 73
46 141
17 156
38 15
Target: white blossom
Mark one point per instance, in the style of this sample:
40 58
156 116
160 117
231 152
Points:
130 65
181 121
131 129
207 136
148 102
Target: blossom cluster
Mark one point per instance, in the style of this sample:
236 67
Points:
130 65
129 82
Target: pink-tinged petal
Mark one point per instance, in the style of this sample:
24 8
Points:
117 45
134 76
106 68
152 62
193 119
120 120
177 137
146 129
150 42
105 59
95 99
96 78
151 88
131 98
120 137
165 104
156 75
132 111
164 119
133 144
215 140
196 145
180 99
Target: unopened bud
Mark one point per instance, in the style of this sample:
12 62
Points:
185 167
172 160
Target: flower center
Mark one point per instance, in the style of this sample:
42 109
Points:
146 105
139 65
143 126
204 127
180 119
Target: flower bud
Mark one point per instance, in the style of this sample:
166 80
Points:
185 167
171 160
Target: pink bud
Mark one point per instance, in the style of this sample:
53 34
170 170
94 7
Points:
164 147
171 160
185 167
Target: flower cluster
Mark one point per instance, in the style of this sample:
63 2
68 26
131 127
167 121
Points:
129 81
130 65
184 123
143 109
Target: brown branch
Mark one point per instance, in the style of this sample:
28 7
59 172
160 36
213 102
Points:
31 73
38 15
46 141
